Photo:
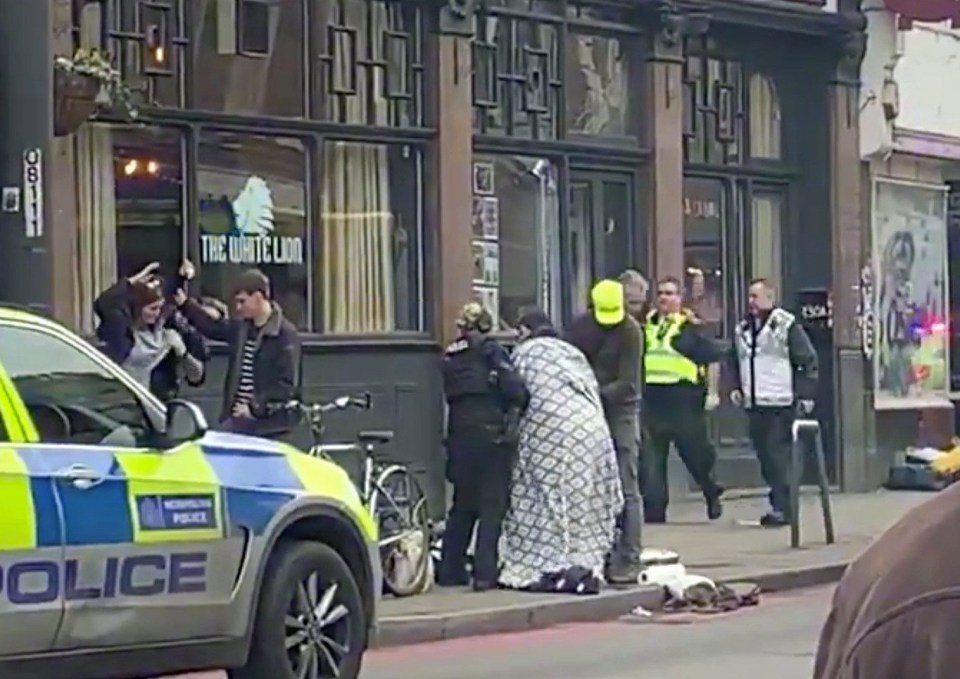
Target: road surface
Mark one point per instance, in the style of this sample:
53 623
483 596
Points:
776 639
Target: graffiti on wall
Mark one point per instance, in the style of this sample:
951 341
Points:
910 344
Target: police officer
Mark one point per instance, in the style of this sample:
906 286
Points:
481 388
774 366
675 363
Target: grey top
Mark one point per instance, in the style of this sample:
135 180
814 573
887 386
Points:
150 347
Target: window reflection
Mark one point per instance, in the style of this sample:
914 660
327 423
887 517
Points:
766 238
249 57
252 213
764 118
597 79
703 251
515 260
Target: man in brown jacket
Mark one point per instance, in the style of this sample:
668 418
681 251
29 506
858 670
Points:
896 612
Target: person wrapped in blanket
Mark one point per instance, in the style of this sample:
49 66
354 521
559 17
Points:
566 492
142 331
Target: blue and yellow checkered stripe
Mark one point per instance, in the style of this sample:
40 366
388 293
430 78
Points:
248 480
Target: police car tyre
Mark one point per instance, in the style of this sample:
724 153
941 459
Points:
311 602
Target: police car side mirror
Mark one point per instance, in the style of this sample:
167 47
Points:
185 422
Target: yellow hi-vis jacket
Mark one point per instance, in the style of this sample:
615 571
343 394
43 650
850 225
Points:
662 364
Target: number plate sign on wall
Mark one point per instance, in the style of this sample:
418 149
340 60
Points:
816 308
33 193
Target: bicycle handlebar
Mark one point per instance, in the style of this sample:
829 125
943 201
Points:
312 410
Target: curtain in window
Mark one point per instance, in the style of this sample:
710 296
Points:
766 250
356 275
764 123
96 243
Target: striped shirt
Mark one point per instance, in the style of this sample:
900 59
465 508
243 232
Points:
245 385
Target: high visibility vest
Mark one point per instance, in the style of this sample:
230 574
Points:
662 364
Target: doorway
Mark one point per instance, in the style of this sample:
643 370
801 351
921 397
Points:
734 232
601 230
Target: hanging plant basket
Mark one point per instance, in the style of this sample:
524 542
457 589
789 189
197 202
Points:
75 100
84 83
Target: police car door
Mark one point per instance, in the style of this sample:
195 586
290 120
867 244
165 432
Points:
31 550
145 559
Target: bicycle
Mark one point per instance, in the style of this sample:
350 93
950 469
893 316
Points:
389 492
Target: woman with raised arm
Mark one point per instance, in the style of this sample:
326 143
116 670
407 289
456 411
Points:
143 332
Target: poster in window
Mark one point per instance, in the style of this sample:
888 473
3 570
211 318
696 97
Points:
486 217
486 263
910 296
483 179
489 297
953 275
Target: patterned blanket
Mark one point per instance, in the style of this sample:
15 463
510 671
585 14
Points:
566 494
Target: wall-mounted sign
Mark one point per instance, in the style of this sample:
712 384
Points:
11 199
251 239
816 308
33 193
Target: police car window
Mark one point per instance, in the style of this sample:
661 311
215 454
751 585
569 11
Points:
71 397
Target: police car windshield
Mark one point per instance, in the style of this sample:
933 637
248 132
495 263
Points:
75 388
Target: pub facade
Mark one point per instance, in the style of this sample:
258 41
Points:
385 161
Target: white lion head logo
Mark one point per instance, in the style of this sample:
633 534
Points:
253 208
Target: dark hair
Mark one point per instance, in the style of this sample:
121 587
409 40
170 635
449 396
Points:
251 281
539 323
672 280
145 293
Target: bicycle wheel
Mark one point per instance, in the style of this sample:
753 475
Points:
400 506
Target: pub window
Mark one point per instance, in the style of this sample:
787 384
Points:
597 74
149 43
766 239
518 66
249 57
129 208
515 230
368 238
764 118
370 66
254 26
253 213
713 108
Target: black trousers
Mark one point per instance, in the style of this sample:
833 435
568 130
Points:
685 426
771 436
480 473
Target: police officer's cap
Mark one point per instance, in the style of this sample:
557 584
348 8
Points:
473 316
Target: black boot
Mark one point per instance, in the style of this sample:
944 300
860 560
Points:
774 519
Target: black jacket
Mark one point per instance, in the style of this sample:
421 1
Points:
115 311
276 367
614 354
480 384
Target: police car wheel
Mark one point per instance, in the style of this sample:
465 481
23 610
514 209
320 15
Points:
310 620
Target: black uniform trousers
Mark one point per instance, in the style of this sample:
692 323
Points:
683 423
772 437
479 470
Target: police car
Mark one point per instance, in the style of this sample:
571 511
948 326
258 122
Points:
136 543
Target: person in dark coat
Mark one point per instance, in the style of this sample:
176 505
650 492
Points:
481 388
612 342
264 367
143 332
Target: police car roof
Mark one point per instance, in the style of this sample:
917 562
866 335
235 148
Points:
26 314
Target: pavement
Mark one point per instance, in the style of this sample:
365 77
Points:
778 639
726 550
